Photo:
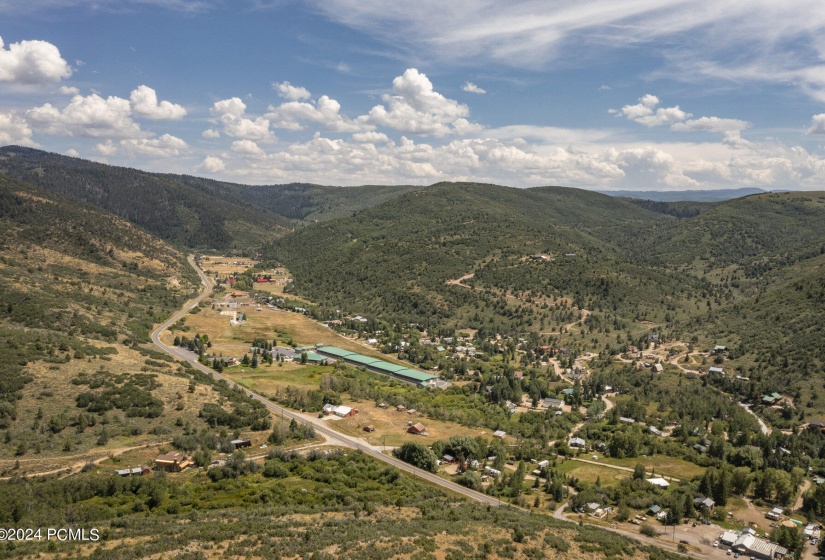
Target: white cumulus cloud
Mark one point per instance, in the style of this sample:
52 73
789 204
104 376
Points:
91 116
325 112
164 146
15 130
246 147
211 133
293 93
66 90
647 113
370 137
32 62
212 164
415 107
817 124
712 124
470 87
231 113
144 102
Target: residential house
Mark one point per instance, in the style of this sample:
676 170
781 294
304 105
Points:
758 548
626 420
659 481
772 399
552 403
654 509
577 442
703 503
657 368
716 370
174 461
499 434
344 411
817 425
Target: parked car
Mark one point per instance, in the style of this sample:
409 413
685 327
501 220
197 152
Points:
715 543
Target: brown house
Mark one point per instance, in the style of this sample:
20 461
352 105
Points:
417 429
174 461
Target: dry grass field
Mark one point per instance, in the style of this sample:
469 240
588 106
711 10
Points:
224 266
266 379
233 341
391 426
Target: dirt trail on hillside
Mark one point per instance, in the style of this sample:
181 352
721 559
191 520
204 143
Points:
459 281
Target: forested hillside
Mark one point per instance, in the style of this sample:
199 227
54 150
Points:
176 212
304 202
396 257
191 211
745 272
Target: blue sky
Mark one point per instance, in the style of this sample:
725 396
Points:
643 94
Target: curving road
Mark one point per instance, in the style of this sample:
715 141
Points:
332 437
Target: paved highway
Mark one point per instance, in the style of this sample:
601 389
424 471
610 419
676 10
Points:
332 437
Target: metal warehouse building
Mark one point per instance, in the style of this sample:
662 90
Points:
379 366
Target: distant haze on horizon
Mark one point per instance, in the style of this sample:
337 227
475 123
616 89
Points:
660 96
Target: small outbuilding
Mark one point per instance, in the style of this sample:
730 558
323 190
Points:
418 429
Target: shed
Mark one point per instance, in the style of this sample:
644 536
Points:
417 429
659 481
499 434
577 442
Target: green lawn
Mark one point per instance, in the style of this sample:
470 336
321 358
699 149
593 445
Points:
589 473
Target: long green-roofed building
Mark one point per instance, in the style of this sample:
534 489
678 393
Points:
377 365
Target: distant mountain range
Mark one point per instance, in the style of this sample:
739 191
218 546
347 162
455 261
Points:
694 195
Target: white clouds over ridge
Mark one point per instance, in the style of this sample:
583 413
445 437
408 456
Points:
414 133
